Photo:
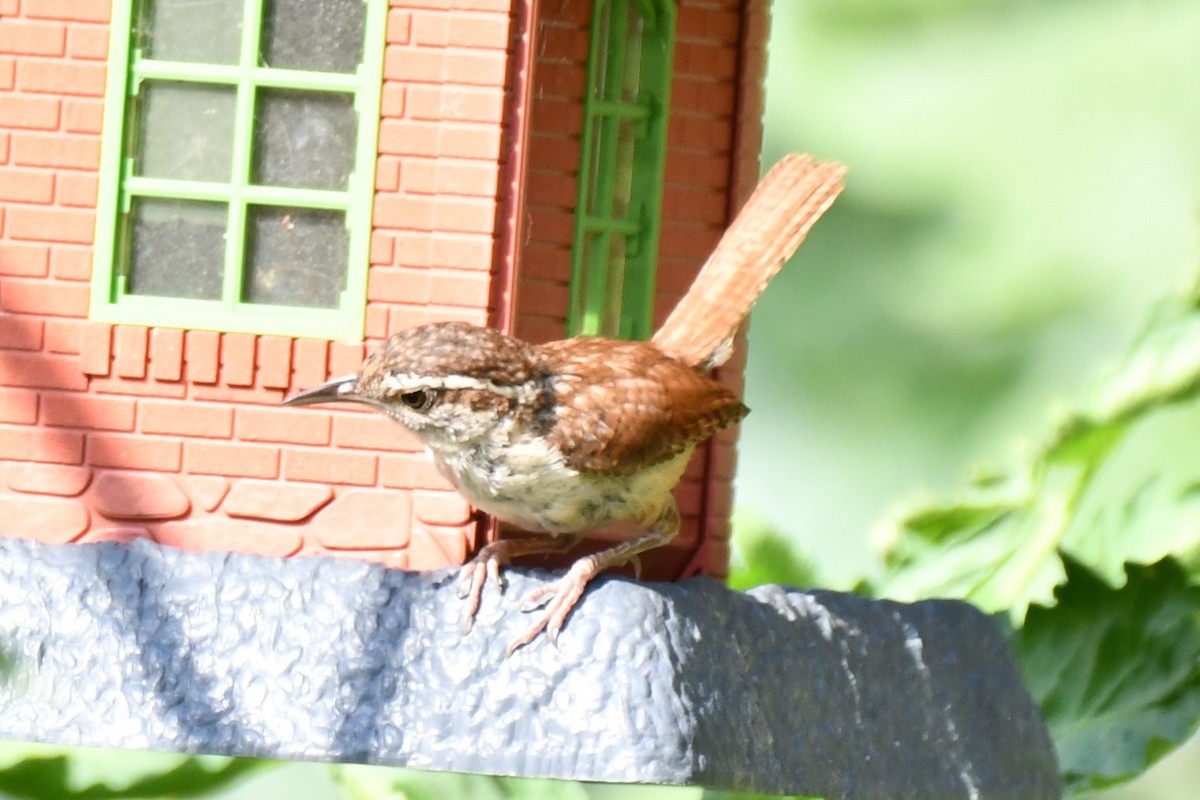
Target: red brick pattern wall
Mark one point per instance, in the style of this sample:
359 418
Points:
52 70
119 431
122 431
713 139
550 180
747 144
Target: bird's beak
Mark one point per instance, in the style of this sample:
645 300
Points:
338 390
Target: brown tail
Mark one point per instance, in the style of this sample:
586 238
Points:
768 229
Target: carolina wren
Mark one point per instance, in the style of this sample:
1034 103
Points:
568 436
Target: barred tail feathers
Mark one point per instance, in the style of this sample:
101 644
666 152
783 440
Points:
766 232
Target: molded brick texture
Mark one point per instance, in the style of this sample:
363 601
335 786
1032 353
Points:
113 432
714 135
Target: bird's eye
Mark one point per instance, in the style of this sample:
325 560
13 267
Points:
420 400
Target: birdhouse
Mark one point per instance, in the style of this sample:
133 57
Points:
207 206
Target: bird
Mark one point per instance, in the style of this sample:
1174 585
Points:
563 437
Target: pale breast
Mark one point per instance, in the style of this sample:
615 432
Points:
532 487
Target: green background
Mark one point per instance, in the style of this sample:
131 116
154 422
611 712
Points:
1023 190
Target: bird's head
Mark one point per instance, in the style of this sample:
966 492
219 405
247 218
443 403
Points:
449 383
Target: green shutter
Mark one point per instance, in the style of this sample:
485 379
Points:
237 169
619 208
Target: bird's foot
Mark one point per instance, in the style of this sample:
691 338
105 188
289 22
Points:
476 574
484 568
554 602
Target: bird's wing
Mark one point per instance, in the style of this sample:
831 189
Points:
625 405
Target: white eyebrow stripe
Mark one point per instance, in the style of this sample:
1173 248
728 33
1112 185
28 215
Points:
404 382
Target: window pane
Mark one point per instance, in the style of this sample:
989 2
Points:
178 248
185 131
296 256
632 68
602 33
304 139
597 196
601 271
208 31
321 35
620 171
628 131
614 288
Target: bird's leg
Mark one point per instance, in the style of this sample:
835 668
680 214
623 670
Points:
485 566
556 599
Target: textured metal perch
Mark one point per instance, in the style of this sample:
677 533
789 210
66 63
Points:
774 690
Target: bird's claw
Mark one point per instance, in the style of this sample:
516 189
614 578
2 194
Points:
556 600
484 568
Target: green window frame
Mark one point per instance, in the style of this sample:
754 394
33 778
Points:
619 208
201 219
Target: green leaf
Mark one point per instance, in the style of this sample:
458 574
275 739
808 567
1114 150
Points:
764 555
30 770
1116 671
361 782
1114 483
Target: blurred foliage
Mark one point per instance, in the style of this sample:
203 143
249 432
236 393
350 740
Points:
39 772
368 783
1024 183
1116 671
1104 489
761 555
